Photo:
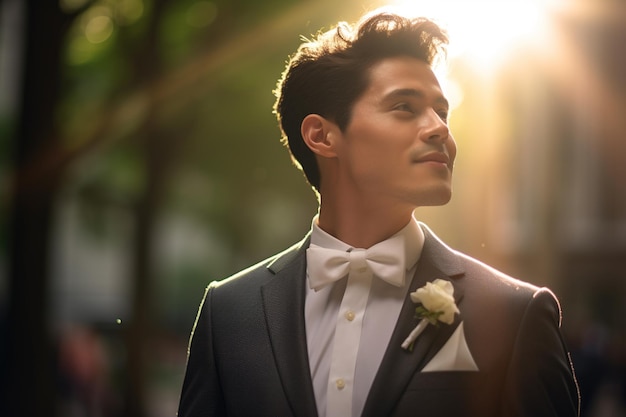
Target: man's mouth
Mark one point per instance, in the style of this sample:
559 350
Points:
438 157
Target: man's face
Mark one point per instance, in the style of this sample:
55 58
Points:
397 147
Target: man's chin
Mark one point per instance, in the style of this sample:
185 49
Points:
439 197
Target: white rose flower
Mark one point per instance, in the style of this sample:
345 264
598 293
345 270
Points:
437 304
437 297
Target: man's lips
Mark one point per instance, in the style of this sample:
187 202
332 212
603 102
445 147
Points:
439 157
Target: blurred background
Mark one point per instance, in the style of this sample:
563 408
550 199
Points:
140 160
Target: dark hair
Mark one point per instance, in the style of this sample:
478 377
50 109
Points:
328 74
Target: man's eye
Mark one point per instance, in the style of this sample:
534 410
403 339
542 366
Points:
403 107
443 115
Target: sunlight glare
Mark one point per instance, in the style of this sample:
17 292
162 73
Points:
483 31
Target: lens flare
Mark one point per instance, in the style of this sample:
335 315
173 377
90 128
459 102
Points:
483 32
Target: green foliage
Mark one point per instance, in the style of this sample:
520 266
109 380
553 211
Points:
190 81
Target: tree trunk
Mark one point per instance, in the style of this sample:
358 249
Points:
28 380
140 337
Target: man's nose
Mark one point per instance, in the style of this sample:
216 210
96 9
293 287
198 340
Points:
436 128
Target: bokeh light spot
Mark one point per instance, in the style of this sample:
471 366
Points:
129 11
98 29
201 14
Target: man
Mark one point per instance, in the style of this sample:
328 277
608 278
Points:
322 329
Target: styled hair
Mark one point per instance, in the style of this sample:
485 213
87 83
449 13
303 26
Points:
327 75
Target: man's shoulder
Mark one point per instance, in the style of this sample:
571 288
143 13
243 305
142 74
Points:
479 270
491 285
475 272
265 269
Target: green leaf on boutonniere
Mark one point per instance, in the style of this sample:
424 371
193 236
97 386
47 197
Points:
431 316
436 305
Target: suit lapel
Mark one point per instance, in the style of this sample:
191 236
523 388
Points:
399 365
283 303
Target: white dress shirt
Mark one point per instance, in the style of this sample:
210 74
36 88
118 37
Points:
349 324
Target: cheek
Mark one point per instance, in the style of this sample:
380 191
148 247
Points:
367 145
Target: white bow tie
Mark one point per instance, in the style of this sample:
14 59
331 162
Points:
385 260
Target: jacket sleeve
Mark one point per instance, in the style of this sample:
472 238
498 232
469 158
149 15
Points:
201 393
540 378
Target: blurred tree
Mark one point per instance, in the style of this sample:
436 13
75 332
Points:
28 383
150 107
153 93
157 148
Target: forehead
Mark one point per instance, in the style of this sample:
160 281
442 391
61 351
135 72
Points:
402 74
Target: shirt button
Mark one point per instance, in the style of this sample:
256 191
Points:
349 315
362 269
340 383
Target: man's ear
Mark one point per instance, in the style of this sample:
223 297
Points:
319 134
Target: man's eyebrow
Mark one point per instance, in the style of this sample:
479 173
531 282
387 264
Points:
417 94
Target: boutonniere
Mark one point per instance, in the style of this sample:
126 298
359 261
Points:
437 305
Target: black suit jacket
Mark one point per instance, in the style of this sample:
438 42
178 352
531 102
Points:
248 351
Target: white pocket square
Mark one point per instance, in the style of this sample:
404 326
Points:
453 356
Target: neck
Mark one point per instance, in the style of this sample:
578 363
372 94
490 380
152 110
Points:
361 224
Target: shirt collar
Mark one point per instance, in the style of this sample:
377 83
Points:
413 240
